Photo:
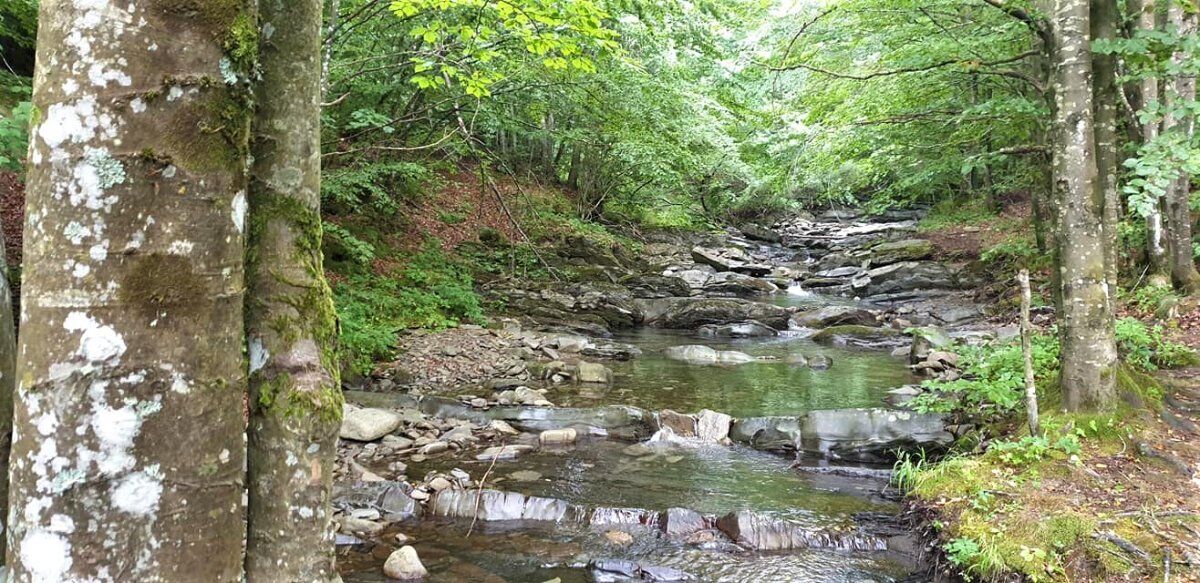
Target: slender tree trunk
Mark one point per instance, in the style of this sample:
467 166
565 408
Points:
128 454
1089 354
573 172
8 377
1178 212
1142 12
1104 18
335 7
295 397
1031 402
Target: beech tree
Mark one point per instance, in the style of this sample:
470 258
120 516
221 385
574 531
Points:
128 453
1181 122
295 396
1089 353
8 377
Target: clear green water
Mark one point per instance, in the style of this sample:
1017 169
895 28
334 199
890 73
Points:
858 378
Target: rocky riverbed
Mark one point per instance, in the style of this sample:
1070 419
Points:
672 414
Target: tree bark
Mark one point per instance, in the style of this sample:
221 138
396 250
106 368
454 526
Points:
1089 354
8 378
1031 403
1178 212
1142 12
128 454
295 397
1105 16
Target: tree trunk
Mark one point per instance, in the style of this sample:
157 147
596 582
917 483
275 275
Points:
1089 354
295 398
1104 18
8 377
1031 402
573 172
1178 213
128 454
1142 12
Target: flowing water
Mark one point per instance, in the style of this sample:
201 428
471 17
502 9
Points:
708 478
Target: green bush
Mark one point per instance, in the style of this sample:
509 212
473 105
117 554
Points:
432 291
1147 349
376 187
993 378
14 137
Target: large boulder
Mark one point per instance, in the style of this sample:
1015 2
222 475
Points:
925 340
907 276
891 252
713 426
835 315
720 259
588 307
404 565
692 313
736 284
750 329
761 233
871 435
368 424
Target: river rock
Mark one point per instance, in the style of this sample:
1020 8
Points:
617 421
890 252
819 362
750 329
768 534
713 426
393 500
860 336
681 522
660 286
736 284
494 505
835 315
871 435
557 436
368 424
720 259
618 537
908 276
691 313
591 372
767 433
680 424
697 354
403 564
503 452
761 233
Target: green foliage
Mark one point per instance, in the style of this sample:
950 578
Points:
962 551
431 291
1014 252
14 136
341 242
1146 348
375 187
993 380
1147 298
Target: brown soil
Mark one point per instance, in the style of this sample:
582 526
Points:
968 241
12 215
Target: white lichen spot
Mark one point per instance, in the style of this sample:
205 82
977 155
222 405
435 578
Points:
137 105
227 72
47 423
239 210
46 555
98 343
223 456
109 170
292 459
70 86
169 172
70 121
62 523
80 270
305 512
175 92
179 384
139 492
99 251
258 355
180 247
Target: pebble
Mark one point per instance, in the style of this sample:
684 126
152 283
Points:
619 538
403 564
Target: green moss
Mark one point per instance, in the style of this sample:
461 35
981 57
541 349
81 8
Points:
159 281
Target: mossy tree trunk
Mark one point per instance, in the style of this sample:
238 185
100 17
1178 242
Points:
295 397
1089 354
1181 92
128 454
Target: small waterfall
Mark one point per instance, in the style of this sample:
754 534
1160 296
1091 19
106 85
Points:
797 290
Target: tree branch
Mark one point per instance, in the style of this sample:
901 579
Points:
903 70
